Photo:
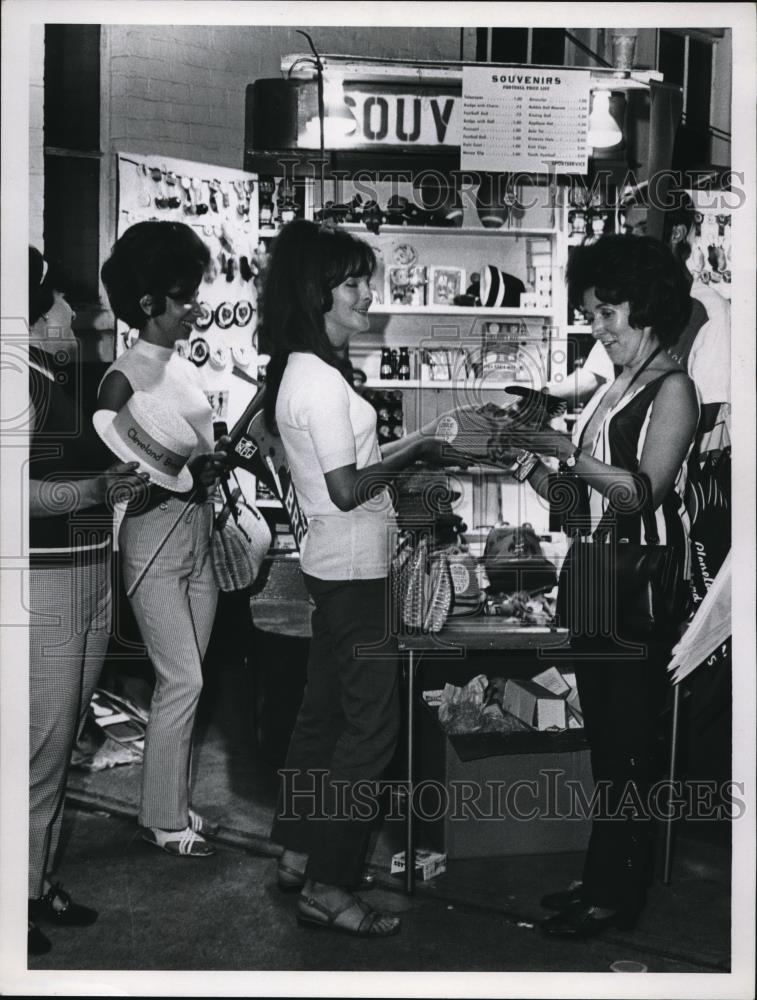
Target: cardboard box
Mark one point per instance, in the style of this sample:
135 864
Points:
535 705
554 775
428 864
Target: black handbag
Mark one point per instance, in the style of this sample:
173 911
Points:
514 561
612 588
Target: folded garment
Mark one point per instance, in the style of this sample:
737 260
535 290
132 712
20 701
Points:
489 432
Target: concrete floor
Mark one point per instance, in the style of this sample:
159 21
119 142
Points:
224 914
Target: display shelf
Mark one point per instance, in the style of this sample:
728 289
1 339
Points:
390 230
481 381
442 310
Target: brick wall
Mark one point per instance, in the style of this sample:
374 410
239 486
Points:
36 146
180 90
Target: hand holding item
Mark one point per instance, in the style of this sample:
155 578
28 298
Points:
545 442
208 467
121 482
436 451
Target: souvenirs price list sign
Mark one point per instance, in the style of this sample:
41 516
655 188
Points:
521 119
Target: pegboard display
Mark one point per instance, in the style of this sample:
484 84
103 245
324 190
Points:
710 258
222 206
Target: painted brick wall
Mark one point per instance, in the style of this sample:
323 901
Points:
36 144
180 89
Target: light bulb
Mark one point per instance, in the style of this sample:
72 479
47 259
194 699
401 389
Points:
338 123
604 131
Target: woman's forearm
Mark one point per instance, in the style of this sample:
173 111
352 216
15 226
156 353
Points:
609 480
62 496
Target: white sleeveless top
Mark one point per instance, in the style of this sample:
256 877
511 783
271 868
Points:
154 369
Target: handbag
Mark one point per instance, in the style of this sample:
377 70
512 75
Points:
422 587
611 587
514 561
239 543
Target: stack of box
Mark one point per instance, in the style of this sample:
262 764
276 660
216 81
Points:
547 701
539 271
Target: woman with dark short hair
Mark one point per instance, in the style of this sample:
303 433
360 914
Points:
631 441
70 541
316 296
152 277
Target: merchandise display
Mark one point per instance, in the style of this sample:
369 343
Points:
402 217
222 206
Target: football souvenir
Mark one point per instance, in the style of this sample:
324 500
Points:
219 357
205 318
243 311
199 351
224 315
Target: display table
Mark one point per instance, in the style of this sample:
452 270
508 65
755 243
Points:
290 617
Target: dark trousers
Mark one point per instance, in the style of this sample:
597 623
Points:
621 702
346 730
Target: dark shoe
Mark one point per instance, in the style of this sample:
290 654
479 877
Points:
57 908
364 922
564 899
291 880
38 943
582 921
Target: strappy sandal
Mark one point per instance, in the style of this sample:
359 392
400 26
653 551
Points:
290 879
200 824
322 918
181 843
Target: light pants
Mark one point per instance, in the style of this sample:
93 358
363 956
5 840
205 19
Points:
174 606
69 628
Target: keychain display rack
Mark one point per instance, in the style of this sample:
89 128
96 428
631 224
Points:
221 204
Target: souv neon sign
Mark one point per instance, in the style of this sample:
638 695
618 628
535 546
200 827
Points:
401 119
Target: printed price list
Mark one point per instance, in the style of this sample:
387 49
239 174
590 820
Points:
525 119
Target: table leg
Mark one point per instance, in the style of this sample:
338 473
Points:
409 833
668 864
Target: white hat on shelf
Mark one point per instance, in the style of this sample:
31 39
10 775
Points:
148 431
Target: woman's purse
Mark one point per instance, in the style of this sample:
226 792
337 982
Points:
610 587
240 541
422 587
514 561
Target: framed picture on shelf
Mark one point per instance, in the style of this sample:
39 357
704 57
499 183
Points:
399 291
444 284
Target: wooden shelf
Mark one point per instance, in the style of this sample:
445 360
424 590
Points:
359 227
515 312
480 381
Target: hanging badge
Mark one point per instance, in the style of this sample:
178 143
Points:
224 315
205 318
219 357
199 351
243 312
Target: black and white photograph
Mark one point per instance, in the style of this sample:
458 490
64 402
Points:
377 417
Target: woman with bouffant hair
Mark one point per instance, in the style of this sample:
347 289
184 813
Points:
152 278
316 296
628 451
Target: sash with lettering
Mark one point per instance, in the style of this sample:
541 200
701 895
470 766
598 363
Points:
256 450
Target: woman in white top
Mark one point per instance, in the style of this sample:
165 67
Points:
316 296
152 278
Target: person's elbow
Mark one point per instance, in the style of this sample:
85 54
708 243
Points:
341 490
343 500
